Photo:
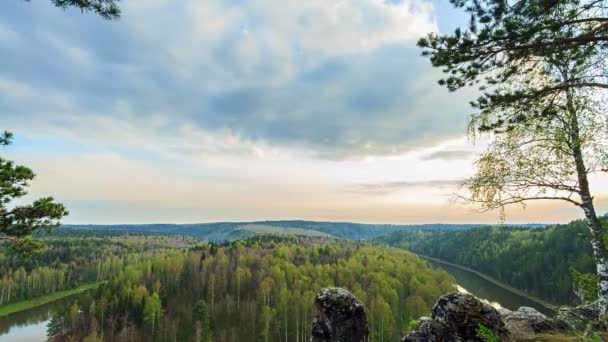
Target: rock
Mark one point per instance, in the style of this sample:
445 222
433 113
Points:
428 330
340 317
577 318
503 312
526 321
456 318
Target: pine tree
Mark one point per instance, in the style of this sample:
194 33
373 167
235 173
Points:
200 317
19 222
541 67
107 9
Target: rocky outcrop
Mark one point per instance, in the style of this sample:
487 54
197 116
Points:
455 318
340 317
577 318
525 322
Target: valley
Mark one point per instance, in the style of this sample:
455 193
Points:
263 269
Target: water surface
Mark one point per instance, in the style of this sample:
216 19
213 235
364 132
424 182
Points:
30 325
496 295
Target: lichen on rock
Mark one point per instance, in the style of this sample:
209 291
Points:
340 317
457 317
526 321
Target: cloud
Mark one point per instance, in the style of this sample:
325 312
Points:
339 79
7 35
449 155
391 187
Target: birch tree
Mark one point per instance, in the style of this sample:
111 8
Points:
541 69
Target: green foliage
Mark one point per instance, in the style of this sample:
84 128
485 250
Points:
503 41
18 223
6 138
41 300
486 334
412 325
266 318
536 260
541 68
200 317
264 287
153 311
55 327
72 258
586 283
107 9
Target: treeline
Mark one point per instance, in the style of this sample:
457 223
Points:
536 260
70 260
260 289
222 231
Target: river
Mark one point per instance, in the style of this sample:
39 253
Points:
30 325
493 294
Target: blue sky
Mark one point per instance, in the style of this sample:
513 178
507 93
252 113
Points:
191 111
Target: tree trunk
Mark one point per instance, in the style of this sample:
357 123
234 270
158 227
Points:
593 223
286 323
599 251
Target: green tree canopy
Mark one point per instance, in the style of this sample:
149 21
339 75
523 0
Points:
541 67
19 222
505 38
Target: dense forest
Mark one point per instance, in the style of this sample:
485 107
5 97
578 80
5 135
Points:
537 260
260 289
73 258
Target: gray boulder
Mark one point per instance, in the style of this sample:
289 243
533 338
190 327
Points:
526 321
340 317
456 318
577 318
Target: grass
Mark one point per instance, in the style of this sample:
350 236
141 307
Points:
34 302
498 283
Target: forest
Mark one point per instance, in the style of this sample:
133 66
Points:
73 258
222 231
259 289
537 260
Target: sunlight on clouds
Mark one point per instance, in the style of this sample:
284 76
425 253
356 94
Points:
234 110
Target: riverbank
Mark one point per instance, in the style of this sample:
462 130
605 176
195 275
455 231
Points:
518 292
34 302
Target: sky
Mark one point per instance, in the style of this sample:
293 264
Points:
232 110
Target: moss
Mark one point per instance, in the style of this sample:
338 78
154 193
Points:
587 283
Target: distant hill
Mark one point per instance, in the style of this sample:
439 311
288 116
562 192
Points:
222 231
532 259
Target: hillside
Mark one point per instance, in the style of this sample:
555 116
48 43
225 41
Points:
536 260
223 231
262 288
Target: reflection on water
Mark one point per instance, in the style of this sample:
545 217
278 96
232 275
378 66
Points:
496 305
31 333
493 294
30 325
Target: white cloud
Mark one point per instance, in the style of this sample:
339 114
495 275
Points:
205 110
7 35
